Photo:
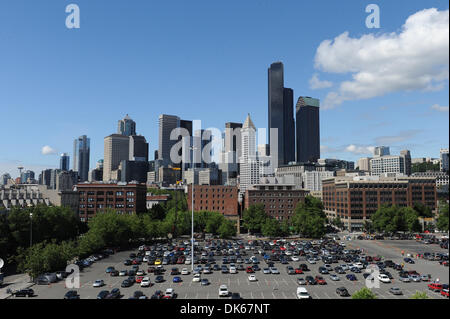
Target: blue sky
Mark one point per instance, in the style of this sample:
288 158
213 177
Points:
208 60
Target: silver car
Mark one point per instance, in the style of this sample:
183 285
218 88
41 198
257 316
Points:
98 283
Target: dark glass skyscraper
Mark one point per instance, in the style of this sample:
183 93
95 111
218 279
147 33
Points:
126 126
81 153
308 129
281 114
64 162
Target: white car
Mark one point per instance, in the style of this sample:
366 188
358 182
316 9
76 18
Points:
223 291
146 282
196 278
311 261
334 277
302 293
345 267
384 278
206 271
295 258
359 265
184 271
187 261
252 278
169 293
233 270
274 270
98 283
266 271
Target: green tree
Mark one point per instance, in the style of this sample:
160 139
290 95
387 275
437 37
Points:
309 219
411 217
422 210
442 220
227 229
254 217
213 223
383 219
364 293
157 212
420 295
271 228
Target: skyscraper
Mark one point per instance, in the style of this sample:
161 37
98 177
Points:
126 126
138 148
407 156
381 151
444 159
281 115
64 162
81 153
167 123
308 129
116 149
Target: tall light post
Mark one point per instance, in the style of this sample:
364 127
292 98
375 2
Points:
31 229
192 207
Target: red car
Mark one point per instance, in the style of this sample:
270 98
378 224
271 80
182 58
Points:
298 271
444 263
435 287
250 270
444 292
151 270
135 262
139 279
376 258
320 280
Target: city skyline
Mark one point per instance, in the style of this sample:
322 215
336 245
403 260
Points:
413 117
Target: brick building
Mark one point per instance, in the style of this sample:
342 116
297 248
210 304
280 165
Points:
216 198
121 197
355 199
279 201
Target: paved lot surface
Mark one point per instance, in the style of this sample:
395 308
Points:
281 286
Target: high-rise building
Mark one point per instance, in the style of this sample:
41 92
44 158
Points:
116 150
81 154
280 107
168 123
407 156
381 151
126 126
308 129
64 162
380 165
4 179
364 164
45 178
444 159
26 176
138 148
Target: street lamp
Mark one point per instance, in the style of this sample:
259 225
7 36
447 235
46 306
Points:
192 207
31 229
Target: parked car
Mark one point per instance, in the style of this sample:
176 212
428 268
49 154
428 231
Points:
395 291
103 294
435 287
301 281
302 293
342 291
98 283
114 294
223 291
72 294
27 292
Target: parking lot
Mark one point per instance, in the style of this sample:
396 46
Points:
267 286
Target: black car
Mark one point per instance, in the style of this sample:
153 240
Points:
304 267
323 270
103 294
138 294
236 295
72 294
159 279
342 291
126 283
310 280
114 273
157 295
28 292
127 262
114 294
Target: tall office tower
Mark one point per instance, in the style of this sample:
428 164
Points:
54 176
289 126
4 179
138 149
444 159
281 114
45 177
251 166
167 123
126 126
64 162
116 149
308 129
381 151
81 153
186 125
26 177
233 139
407 156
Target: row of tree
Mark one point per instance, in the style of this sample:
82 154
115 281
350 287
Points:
308 220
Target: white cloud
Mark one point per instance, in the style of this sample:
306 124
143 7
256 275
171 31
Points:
439 108
315 83
358 149
415 58
47 150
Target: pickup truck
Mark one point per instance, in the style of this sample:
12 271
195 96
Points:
435 287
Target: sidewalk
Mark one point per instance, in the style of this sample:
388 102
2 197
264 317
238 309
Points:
14 282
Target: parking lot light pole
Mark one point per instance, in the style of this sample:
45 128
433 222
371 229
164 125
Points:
192 207
31 229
